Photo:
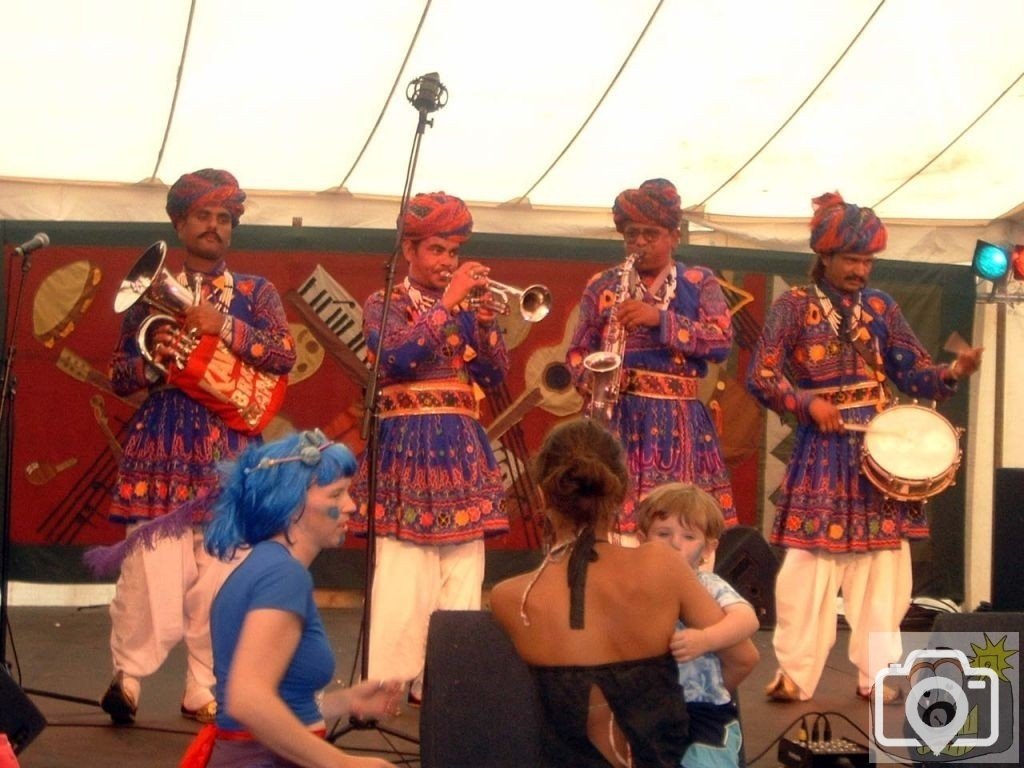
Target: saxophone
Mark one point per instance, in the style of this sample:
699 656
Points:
605 365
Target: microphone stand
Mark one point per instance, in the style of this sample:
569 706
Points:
428 96
8 389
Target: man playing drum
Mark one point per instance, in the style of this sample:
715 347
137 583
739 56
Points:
826 354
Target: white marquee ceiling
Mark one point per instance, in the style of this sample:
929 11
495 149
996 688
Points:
912 106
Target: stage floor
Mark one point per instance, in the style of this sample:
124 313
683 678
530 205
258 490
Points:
65 651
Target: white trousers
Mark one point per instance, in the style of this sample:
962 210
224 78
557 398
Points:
410 582
163 596
876 589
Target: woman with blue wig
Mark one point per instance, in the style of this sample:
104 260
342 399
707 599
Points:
285 502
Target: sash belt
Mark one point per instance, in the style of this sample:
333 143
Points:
444 396
661 386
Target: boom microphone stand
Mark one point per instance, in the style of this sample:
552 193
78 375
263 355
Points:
8 388
427 94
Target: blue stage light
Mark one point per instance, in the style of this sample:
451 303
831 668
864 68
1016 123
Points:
990 261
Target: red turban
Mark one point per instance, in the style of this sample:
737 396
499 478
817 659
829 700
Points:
436 214
656 202
840 227
205 188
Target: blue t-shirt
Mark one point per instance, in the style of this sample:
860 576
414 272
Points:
271 578
701 678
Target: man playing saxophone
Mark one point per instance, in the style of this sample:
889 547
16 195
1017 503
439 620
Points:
668 321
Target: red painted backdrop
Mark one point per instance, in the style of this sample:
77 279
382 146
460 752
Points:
68 424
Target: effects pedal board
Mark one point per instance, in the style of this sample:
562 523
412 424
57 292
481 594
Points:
835 753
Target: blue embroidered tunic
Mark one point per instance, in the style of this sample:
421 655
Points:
438 481
171 454
825 502
666 440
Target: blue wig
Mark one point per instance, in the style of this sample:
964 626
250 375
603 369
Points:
267 485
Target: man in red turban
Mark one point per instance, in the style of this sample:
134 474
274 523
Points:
439 488
164 591
205 188
826 356
668 322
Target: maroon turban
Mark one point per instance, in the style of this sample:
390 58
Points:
206 188
436 214
840 227
656 202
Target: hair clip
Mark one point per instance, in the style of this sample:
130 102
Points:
312 444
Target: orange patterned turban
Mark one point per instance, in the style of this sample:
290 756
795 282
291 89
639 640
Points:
656 202
435 214
208 187
841 227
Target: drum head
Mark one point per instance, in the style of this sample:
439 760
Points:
912 442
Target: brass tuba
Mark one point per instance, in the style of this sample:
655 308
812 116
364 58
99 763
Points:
149 281
605 365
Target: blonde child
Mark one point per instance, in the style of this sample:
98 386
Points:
690 521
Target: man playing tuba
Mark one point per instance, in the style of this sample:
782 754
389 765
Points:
164 591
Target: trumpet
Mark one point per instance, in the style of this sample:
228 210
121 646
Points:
534 300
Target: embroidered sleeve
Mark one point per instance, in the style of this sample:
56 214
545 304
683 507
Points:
129 371
263 340
486 355
907 362
594 306
766 377
700 328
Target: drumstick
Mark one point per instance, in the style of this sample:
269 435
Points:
867 428
956 344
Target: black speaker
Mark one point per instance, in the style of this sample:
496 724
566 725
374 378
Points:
19 718
480 706
996 625
747 562
1007 535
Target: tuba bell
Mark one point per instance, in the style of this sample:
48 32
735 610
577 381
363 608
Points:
204 366
149 281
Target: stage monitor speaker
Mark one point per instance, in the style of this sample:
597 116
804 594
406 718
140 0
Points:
19 718
1007 538
480 706
747 562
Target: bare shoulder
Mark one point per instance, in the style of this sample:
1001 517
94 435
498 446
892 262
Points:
505 596
655 554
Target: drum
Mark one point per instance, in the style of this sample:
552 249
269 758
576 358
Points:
910 452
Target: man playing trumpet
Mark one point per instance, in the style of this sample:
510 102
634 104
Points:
674 321
164 591
439 488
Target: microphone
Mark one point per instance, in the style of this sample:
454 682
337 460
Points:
41 240
427 93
